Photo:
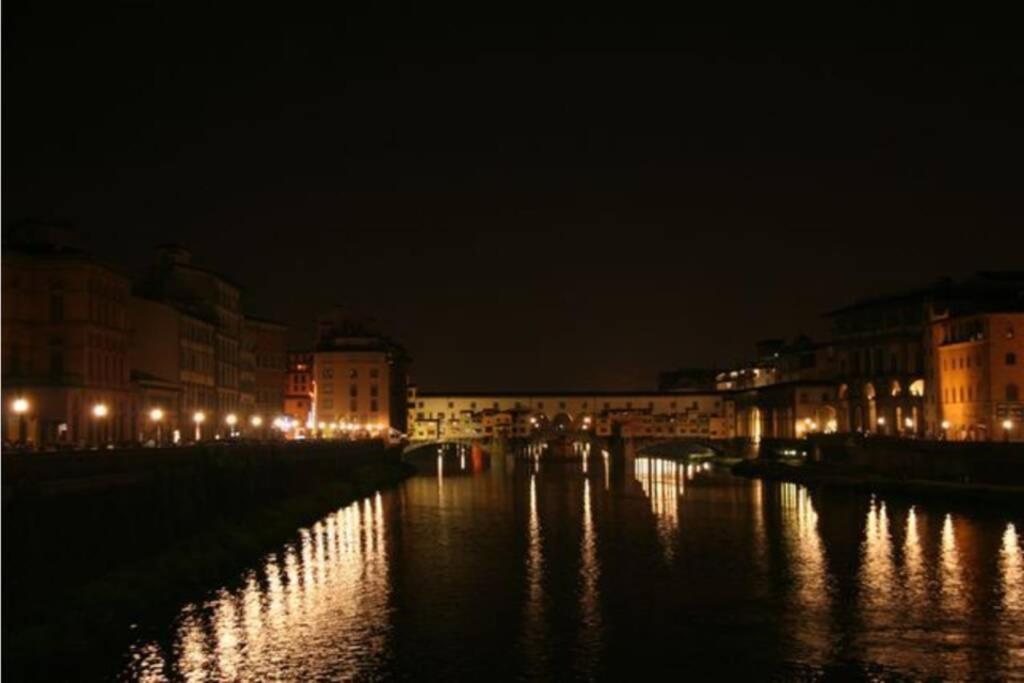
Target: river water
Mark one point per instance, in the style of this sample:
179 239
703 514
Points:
612 566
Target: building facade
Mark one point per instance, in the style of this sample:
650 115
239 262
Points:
211 298
635 414
299 388
65 342
267 341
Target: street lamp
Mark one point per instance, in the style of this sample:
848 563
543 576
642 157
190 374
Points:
231 420
99 411
20 407
945 429
199 418
1007 426
157 416
256 421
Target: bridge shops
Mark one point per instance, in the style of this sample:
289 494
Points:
520 415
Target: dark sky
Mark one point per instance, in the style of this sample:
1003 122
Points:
526 201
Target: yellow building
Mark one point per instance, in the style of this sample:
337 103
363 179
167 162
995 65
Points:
979 371
66 375
518 414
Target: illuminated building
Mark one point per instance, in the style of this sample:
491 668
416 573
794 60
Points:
202 295
880 363
267 341
360 378
518 414
65 340
788 392
298 387
977 371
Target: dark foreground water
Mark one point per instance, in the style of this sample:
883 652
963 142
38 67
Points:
608 567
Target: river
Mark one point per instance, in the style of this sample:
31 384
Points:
607 566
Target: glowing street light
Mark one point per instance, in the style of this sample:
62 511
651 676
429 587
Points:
99 411
20 407
256 421
157 416
1007 426
231 420
945 425
199 417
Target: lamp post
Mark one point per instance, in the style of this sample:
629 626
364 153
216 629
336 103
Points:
257 422
945 430
20 407
881 424
231 421
199 418
100 412
1007 426
157 416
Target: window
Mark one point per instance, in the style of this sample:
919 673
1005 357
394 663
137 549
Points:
374 373
420 404
1009 331
1011 358
961 394
1012 392
451 405
326 404
419 416
353 373
353 390
373 405
327 372
353 405
374 390
561 405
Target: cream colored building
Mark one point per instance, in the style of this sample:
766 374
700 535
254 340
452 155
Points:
453 416
352 390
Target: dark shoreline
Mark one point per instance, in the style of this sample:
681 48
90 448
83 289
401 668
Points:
80 631
811 474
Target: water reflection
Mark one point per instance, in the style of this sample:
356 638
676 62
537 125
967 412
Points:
1011 570
663 482
810 597
590 607
311 613
761 577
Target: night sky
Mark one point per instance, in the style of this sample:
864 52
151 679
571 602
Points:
526 201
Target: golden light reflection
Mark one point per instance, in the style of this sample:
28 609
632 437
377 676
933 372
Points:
316 609
1011 570
590 574
877 571
810 596
951 574
663 482
913 564
533 634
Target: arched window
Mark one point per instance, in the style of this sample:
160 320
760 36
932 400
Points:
1012 392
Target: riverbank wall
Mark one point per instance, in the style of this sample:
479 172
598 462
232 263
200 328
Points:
94 539
981 471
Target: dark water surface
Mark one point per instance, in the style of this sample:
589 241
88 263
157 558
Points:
606 567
